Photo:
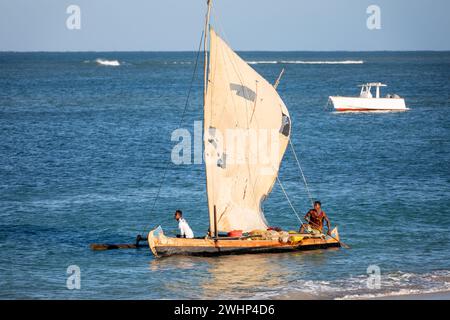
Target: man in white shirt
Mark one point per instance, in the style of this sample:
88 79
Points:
185 230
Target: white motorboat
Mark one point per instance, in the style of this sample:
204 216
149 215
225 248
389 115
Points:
367 102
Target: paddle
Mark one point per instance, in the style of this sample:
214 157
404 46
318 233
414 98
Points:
342 243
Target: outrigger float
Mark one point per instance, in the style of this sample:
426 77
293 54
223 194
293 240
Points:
237 97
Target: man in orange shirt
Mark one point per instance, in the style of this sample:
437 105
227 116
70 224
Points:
315 218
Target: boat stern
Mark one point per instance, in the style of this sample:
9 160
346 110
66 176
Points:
335 234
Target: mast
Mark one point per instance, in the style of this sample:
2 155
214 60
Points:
277 82
205 86
205 67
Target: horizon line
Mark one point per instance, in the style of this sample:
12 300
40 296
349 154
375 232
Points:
181 51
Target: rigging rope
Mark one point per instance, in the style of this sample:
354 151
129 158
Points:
289 201
181 120
301 171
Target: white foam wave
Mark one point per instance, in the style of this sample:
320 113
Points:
111 63
392 284
264 62
306 62
399 293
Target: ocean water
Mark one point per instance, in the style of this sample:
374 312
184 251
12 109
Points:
84 144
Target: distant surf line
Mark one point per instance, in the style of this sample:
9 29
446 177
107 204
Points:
306 62
104 62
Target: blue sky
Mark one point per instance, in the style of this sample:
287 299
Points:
150 25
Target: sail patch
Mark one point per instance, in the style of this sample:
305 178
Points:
285 125
222 161
243 91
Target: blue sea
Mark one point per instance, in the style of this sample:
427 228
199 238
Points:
84 146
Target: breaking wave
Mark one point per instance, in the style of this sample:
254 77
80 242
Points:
306 62
393 284
111 63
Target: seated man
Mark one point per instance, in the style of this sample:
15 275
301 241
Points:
315 218
185 230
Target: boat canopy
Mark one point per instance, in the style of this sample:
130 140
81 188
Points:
373 84
366 88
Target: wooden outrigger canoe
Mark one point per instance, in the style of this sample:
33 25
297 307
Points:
161 246
234 95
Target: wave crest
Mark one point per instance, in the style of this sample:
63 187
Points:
111 63
306 62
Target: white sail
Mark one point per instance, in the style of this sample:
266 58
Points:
246 132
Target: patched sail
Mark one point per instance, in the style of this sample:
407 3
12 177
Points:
246 132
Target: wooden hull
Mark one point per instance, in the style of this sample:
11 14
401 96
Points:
166 246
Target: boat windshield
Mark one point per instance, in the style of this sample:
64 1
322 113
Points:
365 92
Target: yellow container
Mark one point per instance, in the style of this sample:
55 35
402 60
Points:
295 239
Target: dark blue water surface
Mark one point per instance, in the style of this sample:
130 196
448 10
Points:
84 146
